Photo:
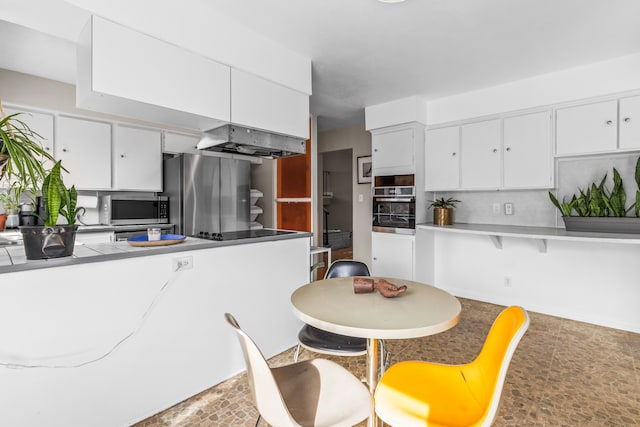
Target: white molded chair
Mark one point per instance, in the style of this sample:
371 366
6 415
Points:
317 393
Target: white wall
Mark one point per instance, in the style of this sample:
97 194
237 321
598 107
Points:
359 140
590 282
601 78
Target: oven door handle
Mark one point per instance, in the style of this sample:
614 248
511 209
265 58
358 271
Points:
394 199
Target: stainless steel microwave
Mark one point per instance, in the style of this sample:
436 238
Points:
128 210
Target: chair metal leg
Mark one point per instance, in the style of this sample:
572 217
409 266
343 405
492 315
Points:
258 420
385 357
297 353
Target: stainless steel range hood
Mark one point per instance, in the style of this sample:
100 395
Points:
251 142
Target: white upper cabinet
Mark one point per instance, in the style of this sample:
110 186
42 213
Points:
84 146
393 151
124 72
40 123
180 143
630 122
591 128
261 104
442 159
527 155
137 159
481 155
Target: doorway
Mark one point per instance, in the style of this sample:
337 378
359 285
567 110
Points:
336 187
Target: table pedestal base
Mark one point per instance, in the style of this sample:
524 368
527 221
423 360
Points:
373 374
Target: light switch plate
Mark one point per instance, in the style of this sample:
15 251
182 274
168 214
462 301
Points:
508 208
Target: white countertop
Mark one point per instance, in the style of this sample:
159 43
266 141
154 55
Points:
546 233
13 258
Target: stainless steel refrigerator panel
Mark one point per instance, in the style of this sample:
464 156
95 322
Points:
201 200
235 188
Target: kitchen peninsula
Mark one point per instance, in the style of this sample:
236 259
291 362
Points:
138 327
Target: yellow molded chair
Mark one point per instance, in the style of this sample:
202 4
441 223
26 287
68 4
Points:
318 393
415 393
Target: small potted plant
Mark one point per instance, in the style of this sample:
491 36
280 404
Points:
443 210
53 240
10 200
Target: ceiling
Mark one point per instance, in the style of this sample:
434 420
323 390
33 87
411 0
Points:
365 52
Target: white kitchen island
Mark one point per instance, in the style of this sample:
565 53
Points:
112 341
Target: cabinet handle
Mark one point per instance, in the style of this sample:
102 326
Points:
508 148
627 119
609 122
453 154
122 156
375 259
64 150
495 150
47 148
375 150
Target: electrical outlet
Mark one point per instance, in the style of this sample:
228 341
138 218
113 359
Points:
507 281
182 263
361 198
496 208
508 208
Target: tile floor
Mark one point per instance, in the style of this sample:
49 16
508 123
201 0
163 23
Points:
564 373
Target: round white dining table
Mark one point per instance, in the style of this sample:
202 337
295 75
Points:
332 305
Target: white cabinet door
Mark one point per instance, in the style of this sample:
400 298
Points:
480 165
84 146
137 159
528 158
393 150
590 128
261 104
122 71
40 123
442 159
630 122
392 255
180 143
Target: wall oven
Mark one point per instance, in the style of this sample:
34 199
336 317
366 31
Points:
394 204
130 209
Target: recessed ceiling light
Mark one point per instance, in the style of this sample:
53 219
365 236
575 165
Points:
391 1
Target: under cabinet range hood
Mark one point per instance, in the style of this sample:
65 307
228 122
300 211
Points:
251 142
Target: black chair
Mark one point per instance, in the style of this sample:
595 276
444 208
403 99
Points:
324 342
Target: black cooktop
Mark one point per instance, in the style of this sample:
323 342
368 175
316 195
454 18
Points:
242 234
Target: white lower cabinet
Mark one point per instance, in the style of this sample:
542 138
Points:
137 159
392 255
84 146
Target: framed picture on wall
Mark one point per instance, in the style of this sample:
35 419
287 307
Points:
364 169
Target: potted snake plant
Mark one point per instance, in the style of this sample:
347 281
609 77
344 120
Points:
598 209
53 240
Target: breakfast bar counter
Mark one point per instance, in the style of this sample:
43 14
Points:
12 256
141 328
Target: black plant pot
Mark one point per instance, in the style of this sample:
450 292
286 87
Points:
48 242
